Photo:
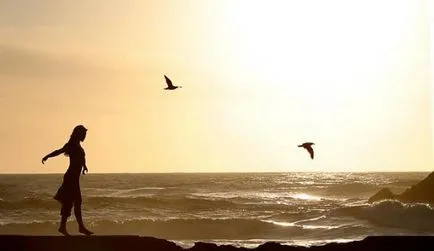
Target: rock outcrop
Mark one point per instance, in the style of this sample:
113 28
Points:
136 243
422 192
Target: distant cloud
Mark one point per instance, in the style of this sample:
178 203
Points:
23 62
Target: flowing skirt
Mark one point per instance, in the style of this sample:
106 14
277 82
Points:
69 191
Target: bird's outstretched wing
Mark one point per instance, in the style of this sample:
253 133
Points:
168 82
308 147
310 150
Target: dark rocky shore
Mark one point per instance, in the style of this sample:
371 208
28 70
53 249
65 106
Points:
421 192
136 243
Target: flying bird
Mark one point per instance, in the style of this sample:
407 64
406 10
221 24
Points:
170 86
308 147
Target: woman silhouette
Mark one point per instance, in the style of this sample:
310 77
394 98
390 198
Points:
69 193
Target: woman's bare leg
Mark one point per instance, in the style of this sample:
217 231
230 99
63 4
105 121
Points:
65 212
62 227
81 228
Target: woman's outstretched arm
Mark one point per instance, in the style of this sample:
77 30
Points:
53 154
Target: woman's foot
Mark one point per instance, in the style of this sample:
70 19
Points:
84 231
63 231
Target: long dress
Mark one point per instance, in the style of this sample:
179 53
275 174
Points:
69 192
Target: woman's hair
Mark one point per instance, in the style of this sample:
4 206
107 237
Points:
76 136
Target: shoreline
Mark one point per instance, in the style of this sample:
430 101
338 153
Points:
223 172
136 243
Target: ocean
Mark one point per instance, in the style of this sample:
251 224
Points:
242 209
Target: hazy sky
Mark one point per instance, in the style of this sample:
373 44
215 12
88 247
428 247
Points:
258 77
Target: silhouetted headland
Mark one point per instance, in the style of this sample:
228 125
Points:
136 243
422 192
